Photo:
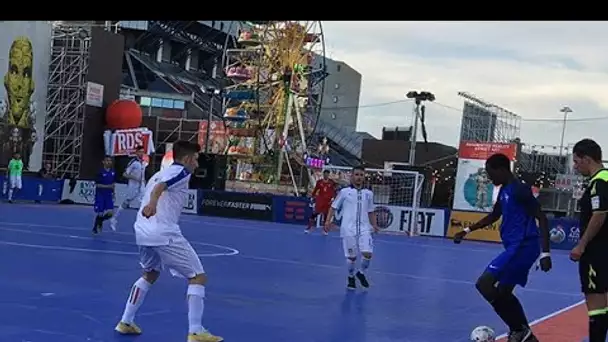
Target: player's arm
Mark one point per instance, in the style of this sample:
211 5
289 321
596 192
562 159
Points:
335 205
599 207
131 172
316 190
9 167
525 198
488 219
371 212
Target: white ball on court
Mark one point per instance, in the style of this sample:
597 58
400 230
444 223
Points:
483 334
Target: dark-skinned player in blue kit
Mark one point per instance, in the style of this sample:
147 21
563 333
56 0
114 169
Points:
522 241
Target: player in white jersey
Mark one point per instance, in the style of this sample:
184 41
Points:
162 245
136 177
356 205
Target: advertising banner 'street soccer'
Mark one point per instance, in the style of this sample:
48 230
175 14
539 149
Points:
473 190
24 67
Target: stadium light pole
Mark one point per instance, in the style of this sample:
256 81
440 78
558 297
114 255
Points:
212 92
566 110
419 98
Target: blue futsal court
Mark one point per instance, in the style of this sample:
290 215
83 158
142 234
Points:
268 282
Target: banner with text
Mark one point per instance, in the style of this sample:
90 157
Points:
236 205
564 233
396 219
462 219
473 190
35 189
83 192
293 210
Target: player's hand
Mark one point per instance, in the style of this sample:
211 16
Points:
545 264
149 211
376 229
577 252
459 236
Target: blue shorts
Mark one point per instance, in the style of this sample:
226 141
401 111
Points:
104 202
513 265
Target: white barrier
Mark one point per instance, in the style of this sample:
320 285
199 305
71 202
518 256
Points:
84 193
394 219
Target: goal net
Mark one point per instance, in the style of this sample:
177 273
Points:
395 192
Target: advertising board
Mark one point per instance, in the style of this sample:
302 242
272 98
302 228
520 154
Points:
237 205
35 189
293 210
461 219
473 190
24 67
83 192
396 219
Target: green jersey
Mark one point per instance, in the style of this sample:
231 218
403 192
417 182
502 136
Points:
15 167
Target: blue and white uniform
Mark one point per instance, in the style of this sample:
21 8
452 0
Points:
104 197
354 206
160 240
135 187
519 234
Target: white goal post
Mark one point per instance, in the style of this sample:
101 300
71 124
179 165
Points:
392 189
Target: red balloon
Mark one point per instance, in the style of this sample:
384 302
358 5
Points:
123 114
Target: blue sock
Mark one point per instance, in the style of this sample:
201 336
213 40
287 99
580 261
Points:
365 264
351 267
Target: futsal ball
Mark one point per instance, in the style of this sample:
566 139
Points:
557 235
483 334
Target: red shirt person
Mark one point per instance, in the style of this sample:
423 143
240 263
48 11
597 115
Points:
323 194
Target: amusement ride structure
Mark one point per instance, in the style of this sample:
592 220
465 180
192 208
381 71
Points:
273 99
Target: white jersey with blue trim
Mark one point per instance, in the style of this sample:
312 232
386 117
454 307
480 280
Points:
354 206
136 169
163 227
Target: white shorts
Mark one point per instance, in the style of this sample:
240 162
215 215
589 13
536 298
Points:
353 245
14 182
132 195
178 257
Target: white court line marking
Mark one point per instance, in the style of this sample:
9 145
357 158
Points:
551 315
251 257
229 251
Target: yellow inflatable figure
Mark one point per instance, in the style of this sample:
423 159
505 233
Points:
19 82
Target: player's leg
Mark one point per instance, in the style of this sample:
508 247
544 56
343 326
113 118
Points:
12 184
126 203
151 264
594 281
99 209
181 259
366 247
312 222
496 285
349 245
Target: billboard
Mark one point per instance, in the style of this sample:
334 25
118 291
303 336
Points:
473 190
25 52
462 219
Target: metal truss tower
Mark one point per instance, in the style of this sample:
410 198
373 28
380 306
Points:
483 121
65 104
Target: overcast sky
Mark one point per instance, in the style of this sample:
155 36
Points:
530 68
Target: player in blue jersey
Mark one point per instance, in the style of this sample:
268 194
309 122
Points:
522 242
104 194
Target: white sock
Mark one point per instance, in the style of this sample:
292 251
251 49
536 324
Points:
196 306
136 298
117 211
10 194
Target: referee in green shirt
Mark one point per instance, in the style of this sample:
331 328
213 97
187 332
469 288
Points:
14 171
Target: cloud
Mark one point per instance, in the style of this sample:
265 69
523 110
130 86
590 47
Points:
530 68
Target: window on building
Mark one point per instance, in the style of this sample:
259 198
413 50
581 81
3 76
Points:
145 101
333 116
335 99
338 67
337 86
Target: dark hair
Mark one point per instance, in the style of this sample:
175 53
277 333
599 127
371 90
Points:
588 148
499 161
182 149
326 171
360 168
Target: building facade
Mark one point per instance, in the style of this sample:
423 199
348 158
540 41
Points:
340 106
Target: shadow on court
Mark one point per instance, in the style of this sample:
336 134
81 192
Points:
268 282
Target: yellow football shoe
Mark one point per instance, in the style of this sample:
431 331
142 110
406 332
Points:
127 329
204 337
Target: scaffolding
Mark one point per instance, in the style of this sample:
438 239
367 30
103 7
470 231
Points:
65 103
543 158
483 121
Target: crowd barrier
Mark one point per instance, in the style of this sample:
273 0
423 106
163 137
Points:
35 189
564 232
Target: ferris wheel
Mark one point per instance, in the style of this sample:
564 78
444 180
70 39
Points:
273 100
